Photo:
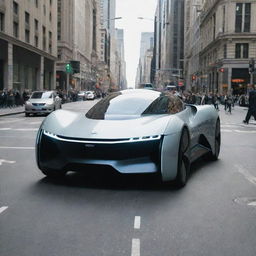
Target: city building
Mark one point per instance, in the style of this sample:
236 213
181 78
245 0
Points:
169 43
146 55
78 40
228 43
192 44
122 83
28 43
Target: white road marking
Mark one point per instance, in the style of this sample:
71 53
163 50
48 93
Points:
246 174
225 130
1 147
137 221
6 161
135 247
241 131
19 129
3 208
252 204
35 122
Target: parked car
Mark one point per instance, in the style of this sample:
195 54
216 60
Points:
90 95
81 95
42 102
131 131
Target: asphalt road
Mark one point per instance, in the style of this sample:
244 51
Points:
88 215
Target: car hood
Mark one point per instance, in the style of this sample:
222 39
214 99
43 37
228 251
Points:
76 125
47 101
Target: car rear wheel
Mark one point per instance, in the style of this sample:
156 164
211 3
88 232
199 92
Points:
183 160
26 114
55 174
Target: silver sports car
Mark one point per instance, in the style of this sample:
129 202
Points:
132 131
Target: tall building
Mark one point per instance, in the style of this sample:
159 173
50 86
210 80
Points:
28 43
78 33
146 47
192 43
169 40
122 64
228 43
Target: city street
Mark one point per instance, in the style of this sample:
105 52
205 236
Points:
89 215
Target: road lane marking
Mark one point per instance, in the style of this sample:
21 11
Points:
137 221
19 129
3 208
6 161
241 131
225 130
1 147
247 175
135 247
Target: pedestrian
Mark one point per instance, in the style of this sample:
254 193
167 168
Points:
228 105
252 106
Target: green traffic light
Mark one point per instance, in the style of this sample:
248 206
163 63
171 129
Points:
68 68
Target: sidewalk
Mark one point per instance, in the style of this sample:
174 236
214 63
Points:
11 111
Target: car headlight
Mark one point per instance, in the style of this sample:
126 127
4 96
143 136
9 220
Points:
28 103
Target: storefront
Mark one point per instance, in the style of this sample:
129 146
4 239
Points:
240 81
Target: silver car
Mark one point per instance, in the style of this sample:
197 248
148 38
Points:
132 131
42 102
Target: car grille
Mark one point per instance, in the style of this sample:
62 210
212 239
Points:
38 104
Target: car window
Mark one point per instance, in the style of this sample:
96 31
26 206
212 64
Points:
41 95
119 106
167 103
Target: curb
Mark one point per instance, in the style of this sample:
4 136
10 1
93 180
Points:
10 114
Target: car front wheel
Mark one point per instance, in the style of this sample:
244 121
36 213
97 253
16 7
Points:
183 159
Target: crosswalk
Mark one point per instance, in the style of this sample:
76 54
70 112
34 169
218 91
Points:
238 128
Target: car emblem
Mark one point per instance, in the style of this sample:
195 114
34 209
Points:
93 132
89 145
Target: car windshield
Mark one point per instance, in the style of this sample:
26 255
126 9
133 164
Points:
129 106
41 95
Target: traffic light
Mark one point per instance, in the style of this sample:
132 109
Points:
69 68
75 66
251 65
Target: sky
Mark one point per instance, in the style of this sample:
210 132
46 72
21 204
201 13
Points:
130 10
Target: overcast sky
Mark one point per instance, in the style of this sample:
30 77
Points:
130 10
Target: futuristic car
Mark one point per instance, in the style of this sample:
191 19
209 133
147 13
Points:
42 102
132 131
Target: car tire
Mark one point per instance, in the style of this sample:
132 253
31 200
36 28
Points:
213 156
26 114
183 160
54 174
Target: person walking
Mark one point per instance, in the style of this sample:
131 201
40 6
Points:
252 106
228 103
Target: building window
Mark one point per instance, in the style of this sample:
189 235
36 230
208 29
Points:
36 3
36 25
1 21
59 30
50 48
50 2
44 10
36 41
214 25
243 17
50 16
44 38
224 18
16 29
225 51
27 35
27 18
15 8
242 51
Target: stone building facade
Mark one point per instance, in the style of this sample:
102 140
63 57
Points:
28 44
228 42
78 40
